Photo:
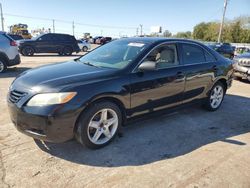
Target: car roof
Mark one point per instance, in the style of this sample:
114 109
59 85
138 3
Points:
159 40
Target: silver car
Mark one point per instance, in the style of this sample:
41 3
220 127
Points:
242 66
9 55
83 45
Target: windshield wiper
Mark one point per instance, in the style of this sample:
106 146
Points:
88 63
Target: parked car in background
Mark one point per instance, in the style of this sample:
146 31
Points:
63 44
241 50
84 45
92 96
242 66
224 49
96 40
16 37
9 55
105 40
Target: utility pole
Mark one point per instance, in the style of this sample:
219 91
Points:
53 26
1 9
73 27
222 21
141 28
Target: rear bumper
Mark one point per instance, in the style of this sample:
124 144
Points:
56 129
15 61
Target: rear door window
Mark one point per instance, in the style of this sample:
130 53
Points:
55 37
192 54
45 38
209 57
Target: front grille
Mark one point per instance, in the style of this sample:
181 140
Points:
244 62
15 96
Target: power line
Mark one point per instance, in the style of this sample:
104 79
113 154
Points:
76 23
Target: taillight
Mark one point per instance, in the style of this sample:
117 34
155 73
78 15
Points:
13 43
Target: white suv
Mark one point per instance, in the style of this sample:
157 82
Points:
9 55
83 45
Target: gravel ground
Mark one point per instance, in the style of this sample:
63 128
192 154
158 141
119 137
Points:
188 148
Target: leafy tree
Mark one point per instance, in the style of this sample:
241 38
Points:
167 33
186 35
237 30
200 31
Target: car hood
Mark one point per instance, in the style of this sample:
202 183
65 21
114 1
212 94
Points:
57 76
244 55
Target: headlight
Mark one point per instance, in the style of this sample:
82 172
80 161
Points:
51 98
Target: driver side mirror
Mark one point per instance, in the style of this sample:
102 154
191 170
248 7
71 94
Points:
147 66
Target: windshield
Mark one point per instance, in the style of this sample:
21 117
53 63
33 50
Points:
117 54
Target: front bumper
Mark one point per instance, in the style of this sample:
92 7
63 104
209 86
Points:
58 128
241 71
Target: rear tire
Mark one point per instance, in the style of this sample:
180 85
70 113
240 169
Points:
215 97
3 66
67 51
99 125
28 51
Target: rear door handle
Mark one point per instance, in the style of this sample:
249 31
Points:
180 75
215 68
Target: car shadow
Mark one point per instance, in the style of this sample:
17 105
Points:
244 81
13 72
172 135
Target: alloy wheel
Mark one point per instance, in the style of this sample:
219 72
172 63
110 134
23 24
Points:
102 126
29 51
1 66
216 96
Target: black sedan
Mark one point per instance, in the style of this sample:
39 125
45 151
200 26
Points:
93 96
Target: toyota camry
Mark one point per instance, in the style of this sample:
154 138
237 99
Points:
91 97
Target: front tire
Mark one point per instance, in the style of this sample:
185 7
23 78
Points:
99 125
85 49
215 97
60 53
